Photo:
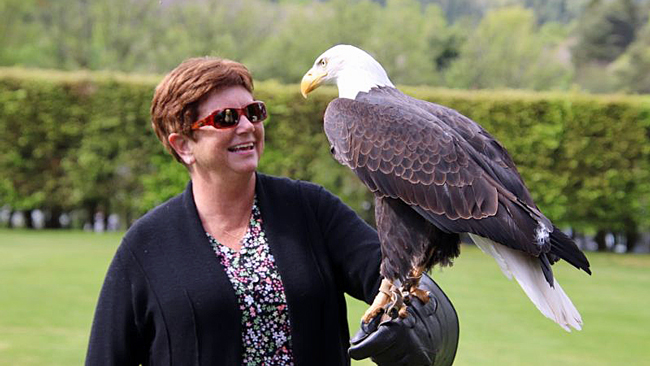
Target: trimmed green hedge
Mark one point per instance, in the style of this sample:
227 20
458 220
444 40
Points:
83 140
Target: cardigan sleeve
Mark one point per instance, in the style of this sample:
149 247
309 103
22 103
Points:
353 247
115 337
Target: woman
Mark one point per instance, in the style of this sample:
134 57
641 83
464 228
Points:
241 268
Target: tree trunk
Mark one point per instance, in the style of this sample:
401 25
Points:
600 240
53 221
631 235
28 219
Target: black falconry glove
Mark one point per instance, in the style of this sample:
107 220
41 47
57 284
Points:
427 336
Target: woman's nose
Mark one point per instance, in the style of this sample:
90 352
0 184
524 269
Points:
245 125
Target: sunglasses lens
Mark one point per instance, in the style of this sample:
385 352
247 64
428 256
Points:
256 112
226 118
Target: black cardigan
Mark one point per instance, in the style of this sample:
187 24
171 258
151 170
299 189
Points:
167 300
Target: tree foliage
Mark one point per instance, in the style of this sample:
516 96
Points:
506 50
632 69
432 42
606 29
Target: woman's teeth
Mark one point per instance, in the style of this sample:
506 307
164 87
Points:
242 147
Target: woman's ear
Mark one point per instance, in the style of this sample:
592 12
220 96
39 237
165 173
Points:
182 145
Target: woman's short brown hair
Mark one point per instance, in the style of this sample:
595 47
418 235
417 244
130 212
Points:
176 99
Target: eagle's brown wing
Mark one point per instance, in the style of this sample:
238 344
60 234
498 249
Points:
408 153
494 159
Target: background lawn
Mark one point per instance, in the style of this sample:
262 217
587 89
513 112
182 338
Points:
49 282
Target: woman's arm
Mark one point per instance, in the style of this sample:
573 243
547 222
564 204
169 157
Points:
353 247
115 337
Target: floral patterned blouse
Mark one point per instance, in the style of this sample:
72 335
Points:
266 332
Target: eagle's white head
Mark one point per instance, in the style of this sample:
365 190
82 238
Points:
352 70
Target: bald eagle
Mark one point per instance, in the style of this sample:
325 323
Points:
437 176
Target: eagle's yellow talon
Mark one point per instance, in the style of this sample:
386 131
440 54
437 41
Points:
421 294
380 302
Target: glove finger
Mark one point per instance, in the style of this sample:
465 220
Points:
402 360
405 352
376 343
366 329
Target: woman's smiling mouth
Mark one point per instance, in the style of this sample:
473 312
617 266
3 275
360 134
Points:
242 147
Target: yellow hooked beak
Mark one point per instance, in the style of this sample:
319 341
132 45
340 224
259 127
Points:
311 81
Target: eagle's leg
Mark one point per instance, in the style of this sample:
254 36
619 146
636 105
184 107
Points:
382 301
411 288
396 307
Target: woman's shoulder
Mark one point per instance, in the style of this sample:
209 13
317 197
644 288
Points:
158 220
288 185
268 179
310 194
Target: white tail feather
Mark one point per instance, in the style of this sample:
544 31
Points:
553 302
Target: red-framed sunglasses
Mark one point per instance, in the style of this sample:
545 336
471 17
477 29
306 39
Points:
229 117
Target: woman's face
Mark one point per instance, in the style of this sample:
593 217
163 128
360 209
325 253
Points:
235 150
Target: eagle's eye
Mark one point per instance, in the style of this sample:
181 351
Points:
322 62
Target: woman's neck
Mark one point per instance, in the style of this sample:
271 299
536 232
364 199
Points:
224 205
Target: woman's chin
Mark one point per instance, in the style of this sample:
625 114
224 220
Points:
245 166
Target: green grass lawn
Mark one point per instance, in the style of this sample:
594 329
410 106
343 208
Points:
49 282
